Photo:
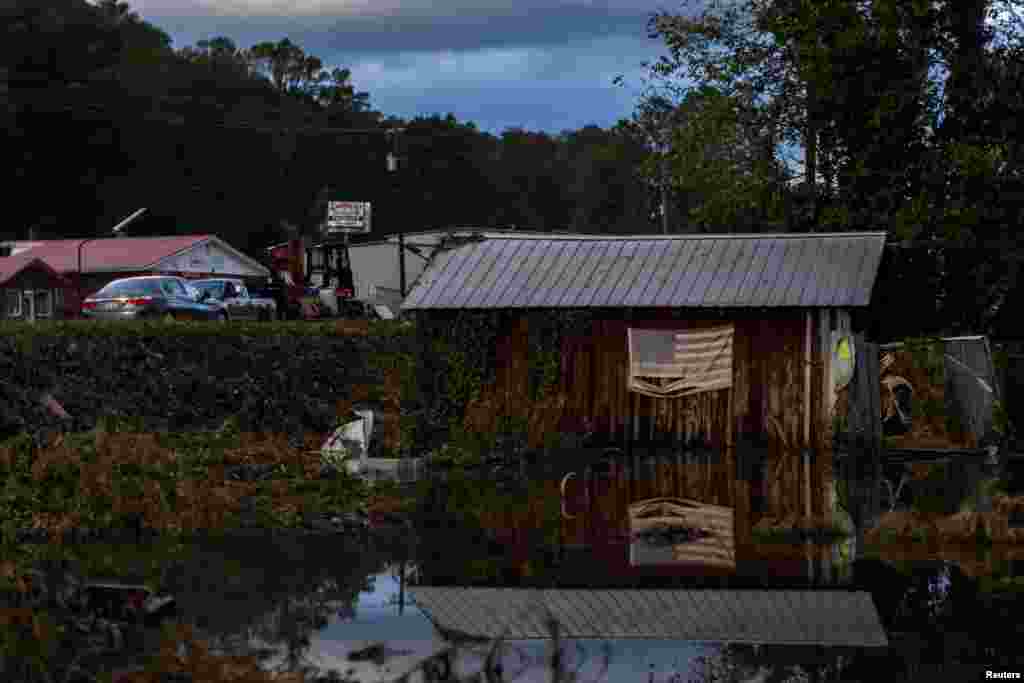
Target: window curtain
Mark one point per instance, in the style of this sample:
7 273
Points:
674 363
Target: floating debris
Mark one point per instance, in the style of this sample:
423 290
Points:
377 653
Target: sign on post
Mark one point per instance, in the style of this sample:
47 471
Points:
347 217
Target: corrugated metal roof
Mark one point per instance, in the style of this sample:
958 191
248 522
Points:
567 271
430 237
110 254
118 254
767 617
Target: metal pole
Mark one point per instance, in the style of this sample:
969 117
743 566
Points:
664 199
401 588
126 221
629 446
117 228
401 262
393 167
79 276
348 266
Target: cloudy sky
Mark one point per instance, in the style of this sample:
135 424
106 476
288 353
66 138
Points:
536 64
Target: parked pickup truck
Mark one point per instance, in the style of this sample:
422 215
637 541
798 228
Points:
233 295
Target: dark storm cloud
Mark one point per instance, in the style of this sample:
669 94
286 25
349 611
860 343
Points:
404 25
535 63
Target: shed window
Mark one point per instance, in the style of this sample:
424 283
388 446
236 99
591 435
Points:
12 303
44 303
673 363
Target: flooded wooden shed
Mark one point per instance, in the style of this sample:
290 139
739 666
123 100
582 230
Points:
705 358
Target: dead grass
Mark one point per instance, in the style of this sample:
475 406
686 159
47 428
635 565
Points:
199 502
969 526
543 416
798 523
902 524
356 328
927 431
1008 505
960 528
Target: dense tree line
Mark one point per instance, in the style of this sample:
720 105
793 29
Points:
104 115
907 117
904 116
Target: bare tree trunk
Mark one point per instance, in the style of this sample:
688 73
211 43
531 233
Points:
811 151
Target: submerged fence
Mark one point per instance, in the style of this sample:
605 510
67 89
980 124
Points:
400 470
972 387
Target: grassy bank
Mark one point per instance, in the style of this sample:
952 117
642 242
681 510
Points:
174 483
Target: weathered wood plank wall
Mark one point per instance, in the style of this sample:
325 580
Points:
761 415
822 425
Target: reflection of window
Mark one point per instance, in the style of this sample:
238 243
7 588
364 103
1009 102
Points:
43 303
12 302
58 297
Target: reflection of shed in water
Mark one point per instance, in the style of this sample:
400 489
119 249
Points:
704 358
764 617
667 530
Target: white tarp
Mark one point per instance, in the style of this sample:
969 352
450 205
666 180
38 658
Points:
354 437
674 363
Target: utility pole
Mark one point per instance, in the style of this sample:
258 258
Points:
393 168
664 198
332 248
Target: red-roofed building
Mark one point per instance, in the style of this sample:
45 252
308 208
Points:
31 288
104 260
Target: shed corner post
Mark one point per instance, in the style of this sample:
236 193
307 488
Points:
865 434
631 418
808 316
827 401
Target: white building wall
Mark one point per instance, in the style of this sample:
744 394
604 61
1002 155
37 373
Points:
375 266
209 258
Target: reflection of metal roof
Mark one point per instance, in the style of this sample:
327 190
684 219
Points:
819 269
768 617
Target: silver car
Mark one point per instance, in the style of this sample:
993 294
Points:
149 297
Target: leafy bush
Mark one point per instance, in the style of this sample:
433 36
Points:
452 455
930 494
282 379
336 457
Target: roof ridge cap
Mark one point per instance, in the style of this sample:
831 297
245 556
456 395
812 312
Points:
745 235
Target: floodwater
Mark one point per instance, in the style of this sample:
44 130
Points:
318 603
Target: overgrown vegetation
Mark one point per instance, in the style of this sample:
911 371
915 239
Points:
458 375
173 483
288 378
